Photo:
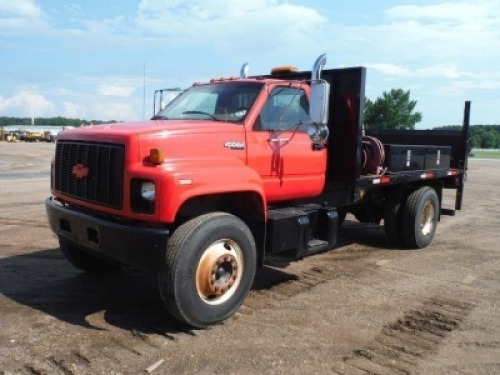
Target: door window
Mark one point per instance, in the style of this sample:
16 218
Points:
286 108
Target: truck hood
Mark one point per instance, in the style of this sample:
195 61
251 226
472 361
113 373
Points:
130 129
178 138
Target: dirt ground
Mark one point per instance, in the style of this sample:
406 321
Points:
362 308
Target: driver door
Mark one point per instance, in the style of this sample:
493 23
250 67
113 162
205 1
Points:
280 149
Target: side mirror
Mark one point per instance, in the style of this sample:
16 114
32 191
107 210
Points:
318 107
318 130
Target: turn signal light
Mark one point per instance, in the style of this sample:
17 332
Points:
156 156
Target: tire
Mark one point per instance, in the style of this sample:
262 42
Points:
393 217
367 215
209 269
420 217
85 261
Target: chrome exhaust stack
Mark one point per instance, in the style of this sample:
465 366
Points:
318 67
244 70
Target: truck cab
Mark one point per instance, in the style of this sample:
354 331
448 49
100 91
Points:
272 117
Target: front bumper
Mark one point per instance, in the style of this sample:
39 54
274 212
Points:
143 248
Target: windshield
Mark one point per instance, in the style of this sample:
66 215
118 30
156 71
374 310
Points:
229 101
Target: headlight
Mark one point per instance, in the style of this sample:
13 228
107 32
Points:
142 196
148 191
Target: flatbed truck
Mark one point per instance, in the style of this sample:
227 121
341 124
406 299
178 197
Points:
237 170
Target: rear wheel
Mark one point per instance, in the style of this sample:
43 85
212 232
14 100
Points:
209 269
420 217
85 261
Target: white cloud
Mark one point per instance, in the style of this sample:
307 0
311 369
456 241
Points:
74 110
122 91
113 111
448 31
463 34
390 69
26 8
27 103
448 71
265 25
463 87
482 13
110 29
22 17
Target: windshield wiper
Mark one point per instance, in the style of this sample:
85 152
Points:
159 117
201 113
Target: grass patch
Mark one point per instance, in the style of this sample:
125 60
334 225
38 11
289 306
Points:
486 154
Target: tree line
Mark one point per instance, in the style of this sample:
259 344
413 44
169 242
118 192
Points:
481 136
49 121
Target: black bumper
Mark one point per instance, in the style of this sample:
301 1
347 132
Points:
143 248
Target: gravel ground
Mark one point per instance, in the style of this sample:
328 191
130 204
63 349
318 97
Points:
363 308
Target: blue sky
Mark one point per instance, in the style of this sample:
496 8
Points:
86 59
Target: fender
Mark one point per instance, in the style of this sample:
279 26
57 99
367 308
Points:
188 179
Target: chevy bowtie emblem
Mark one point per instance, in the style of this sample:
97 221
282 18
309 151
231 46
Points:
80 171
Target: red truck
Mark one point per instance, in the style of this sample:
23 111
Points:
238 169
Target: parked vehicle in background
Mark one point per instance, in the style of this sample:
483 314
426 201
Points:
50 135
34 136
12 137
34 133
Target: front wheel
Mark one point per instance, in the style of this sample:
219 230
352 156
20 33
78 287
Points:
209 269
420 217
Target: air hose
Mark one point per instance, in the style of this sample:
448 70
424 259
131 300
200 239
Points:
372 157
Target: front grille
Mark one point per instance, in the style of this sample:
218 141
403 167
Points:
102 183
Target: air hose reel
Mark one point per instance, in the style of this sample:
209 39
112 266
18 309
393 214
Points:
372 156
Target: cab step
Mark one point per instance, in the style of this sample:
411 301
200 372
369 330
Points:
301 231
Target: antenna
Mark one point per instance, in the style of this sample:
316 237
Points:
144 93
